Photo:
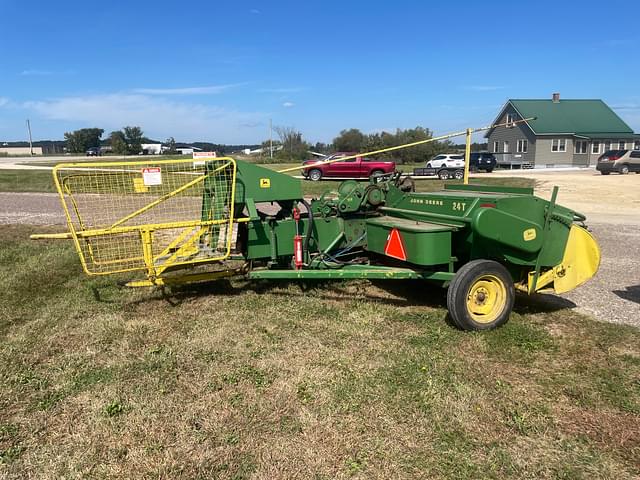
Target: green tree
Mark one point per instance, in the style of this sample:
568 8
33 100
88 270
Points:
170 143
294 148
79 141
352 140
118 143
133 137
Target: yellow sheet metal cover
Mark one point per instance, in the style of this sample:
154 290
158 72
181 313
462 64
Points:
580 262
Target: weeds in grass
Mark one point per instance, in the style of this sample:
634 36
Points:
113 408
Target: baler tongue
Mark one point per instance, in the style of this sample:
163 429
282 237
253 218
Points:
580 262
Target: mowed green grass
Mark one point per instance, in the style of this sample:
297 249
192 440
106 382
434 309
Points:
279 380
26 181
42 181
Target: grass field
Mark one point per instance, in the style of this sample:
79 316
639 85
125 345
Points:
41 181
268 380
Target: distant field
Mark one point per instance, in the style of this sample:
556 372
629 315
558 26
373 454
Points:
270 380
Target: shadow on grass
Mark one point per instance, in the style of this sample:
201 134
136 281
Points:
401 293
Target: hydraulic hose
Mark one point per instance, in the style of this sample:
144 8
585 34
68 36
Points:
307 237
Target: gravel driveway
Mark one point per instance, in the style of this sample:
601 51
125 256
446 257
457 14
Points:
613 295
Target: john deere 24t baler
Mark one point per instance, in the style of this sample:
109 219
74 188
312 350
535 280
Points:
177 221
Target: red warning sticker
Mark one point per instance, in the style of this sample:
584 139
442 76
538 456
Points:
394 247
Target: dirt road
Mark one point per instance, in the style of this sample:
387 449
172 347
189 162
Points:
611 204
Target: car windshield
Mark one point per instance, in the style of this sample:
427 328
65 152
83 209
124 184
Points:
614 153
457 157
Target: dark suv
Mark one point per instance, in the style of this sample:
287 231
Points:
482 161
94 152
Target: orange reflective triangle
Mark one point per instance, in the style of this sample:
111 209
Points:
394 247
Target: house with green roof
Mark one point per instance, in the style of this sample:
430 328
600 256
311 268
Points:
557 132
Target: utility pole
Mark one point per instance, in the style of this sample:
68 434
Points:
30 140
270 139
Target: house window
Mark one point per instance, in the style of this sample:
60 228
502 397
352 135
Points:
607 146
496 147
510 119
622 145
559 145
636 145
580 146
505 146
595 147
522 146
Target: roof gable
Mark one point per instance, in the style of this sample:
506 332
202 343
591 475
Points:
581 117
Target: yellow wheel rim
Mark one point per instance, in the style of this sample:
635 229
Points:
487 299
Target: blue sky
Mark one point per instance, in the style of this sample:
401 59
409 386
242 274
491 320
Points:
218 71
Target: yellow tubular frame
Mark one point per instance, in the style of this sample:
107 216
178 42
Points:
146 231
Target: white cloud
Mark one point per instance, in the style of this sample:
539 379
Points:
483 88
3 101
207 90
288 104
158 117
34 72
254 11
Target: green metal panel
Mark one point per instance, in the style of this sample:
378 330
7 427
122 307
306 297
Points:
508 229
264 185
490 189
424 243
263 236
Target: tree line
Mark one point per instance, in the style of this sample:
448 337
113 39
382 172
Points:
291 146
127 141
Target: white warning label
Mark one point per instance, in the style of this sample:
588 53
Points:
151 176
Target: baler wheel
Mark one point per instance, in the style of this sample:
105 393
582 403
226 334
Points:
481 295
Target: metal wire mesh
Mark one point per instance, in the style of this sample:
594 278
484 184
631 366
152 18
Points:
150 216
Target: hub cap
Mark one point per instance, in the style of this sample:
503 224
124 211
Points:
486 299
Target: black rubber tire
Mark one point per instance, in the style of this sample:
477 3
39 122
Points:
376 172
489 170
624 169
458 174
315 175
443 174
460 289
605 173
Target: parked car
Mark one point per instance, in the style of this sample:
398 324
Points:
94 152
621 161
358 167
449 160
482 161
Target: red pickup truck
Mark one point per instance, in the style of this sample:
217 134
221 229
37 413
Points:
359 167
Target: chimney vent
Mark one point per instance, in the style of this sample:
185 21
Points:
556 98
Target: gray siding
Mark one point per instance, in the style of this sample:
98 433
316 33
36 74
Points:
519 131
546 158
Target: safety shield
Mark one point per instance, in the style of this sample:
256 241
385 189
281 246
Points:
148 215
